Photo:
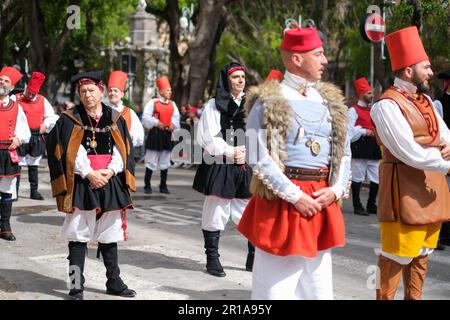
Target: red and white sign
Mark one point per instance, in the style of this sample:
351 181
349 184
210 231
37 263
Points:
374 27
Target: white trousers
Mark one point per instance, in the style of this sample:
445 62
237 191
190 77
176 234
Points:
361 167
292 277
82 226
217 212
157 160
8 185
30 161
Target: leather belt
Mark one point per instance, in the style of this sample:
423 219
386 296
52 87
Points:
307 174
35 131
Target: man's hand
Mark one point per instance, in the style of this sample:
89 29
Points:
307 206
239 155
161 125
96 179
171 127
324 197
107 173
369 133
15 143
42 129
445 150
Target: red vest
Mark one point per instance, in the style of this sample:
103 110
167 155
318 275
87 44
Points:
8 119
126 114
163 112
364 119
34 110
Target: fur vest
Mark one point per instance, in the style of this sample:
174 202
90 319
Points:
277 121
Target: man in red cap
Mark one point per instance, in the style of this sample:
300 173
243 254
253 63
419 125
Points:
366 153
41 118
14 132
299 151
274 75
414 197
92 174
161 117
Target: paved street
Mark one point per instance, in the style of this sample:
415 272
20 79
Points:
164 256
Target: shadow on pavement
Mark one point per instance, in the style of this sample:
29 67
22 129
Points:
50 220
211 294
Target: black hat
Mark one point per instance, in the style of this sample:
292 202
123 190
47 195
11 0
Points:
444 75
93 75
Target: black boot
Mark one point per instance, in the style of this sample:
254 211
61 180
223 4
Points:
6 208
357 206
18 184
444 235
371 202
33 178
77 256
250 257
213 265
114 285
163 184
147 179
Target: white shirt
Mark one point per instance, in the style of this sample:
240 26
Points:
50 117
149 121
22 131
137 130
397 136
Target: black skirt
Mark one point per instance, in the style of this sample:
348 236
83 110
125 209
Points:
35 147
113 196
159 140
7 167
230 181
366 148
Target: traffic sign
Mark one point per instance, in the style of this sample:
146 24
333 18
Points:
374 27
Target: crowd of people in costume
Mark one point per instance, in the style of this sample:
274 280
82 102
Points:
304 151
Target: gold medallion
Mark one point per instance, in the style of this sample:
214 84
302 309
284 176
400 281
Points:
315 148
93 144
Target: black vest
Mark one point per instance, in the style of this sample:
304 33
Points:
233 119
445 100
103 139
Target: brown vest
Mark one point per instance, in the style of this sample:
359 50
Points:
126 114
418 197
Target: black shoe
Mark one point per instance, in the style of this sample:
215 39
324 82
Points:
360 211
163 189
148 190
372 209
440 246
76 294
444 242
127 293
35 195
8 236
214 267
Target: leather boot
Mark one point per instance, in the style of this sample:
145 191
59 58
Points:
33 178
6 208
250 257
77 256
17 185
147 179
213 265
163 184
371 202
390 274
357 205
114 285
444 235
414 277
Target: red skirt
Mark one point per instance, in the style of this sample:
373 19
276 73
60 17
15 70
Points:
278 228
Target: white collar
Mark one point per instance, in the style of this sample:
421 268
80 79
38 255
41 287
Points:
239 97
118 107
405 85
296 82
5 101
362 104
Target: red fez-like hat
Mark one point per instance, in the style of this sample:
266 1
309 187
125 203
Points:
274 75
163 83
405 48
36 81
12 73
301 39
118 79
362 86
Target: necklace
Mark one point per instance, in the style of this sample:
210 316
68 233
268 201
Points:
92 143
311 143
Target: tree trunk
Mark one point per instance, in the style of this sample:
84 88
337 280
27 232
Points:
44 56
417 18
10 13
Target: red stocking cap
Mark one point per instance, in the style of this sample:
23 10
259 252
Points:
36 81
362 86
117 79
302 40
12 73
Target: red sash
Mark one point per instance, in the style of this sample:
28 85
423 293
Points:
100 161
